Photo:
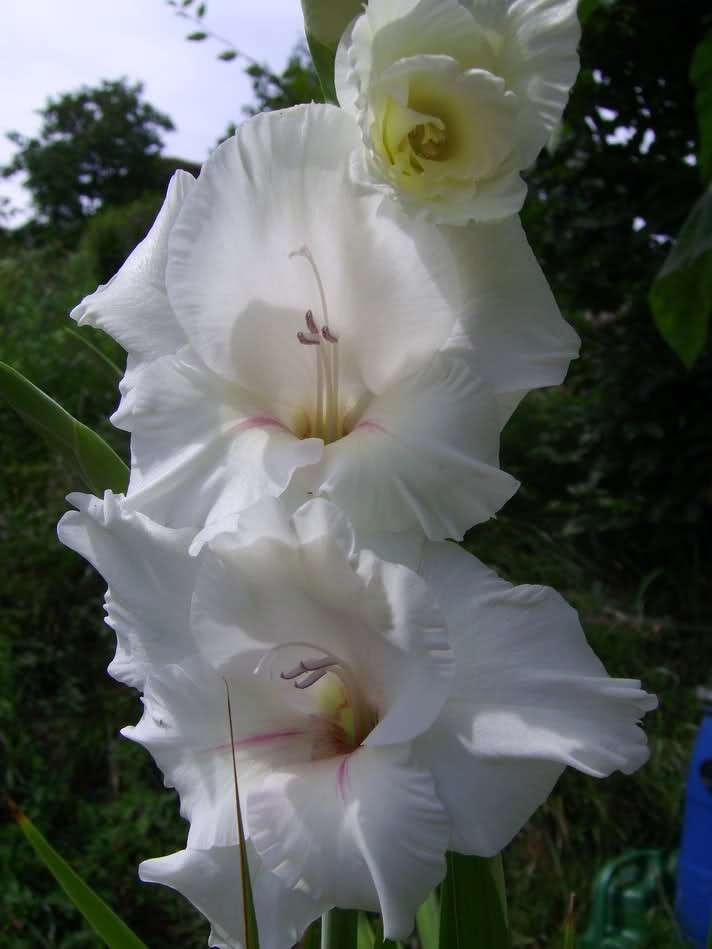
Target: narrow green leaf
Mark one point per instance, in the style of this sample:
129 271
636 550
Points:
339 929
681 296
98 464
324 24
427 922
248 906
228 55
312 937
473 906
365 938
323 58
197 35
114 932
101 356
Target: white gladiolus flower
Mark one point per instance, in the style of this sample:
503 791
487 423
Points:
285 331
380 716
456 97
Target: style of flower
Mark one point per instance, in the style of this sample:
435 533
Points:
378 716
287 333
456 97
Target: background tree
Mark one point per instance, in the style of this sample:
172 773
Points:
98 146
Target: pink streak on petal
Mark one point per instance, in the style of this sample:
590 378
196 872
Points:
370 426
260 739
259 421
341 776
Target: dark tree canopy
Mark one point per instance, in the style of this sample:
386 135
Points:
100 145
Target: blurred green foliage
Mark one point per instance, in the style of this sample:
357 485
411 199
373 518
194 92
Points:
98 146
614 509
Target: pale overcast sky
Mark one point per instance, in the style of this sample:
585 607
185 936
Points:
53 46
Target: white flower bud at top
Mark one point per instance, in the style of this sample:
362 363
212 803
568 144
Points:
455 99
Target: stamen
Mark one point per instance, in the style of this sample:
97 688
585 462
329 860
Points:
326 421
310 679
311 323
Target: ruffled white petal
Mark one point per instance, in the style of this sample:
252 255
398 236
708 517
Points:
425 454
366 832
512 323
133 306
210 879
276 581
150 578
528 47
201 447
186 728
281 185
528 692
540 61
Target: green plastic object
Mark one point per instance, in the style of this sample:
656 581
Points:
624 892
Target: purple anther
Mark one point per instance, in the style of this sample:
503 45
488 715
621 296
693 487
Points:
328 335
311 323
307 340
311 679
310 665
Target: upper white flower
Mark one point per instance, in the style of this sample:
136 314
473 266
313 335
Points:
456 97
432 710
286 331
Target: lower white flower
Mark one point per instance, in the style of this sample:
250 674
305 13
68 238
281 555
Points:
286 332
380 717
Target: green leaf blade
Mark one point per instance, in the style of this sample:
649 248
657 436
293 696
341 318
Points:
114 932
339 929
473 910
427 922
98 464
681 296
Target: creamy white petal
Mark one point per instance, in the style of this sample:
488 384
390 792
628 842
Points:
280 185
150 579
202 447
425 453
526 46
310 586
512 322
529 696
210 879
366 831
133 306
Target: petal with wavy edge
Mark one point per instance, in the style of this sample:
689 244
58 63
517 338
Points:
540 62
201 447
210 879
279 185
299 581
366 831
402 29
424 453
529 697
512 324
150 578
133 306
186 728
